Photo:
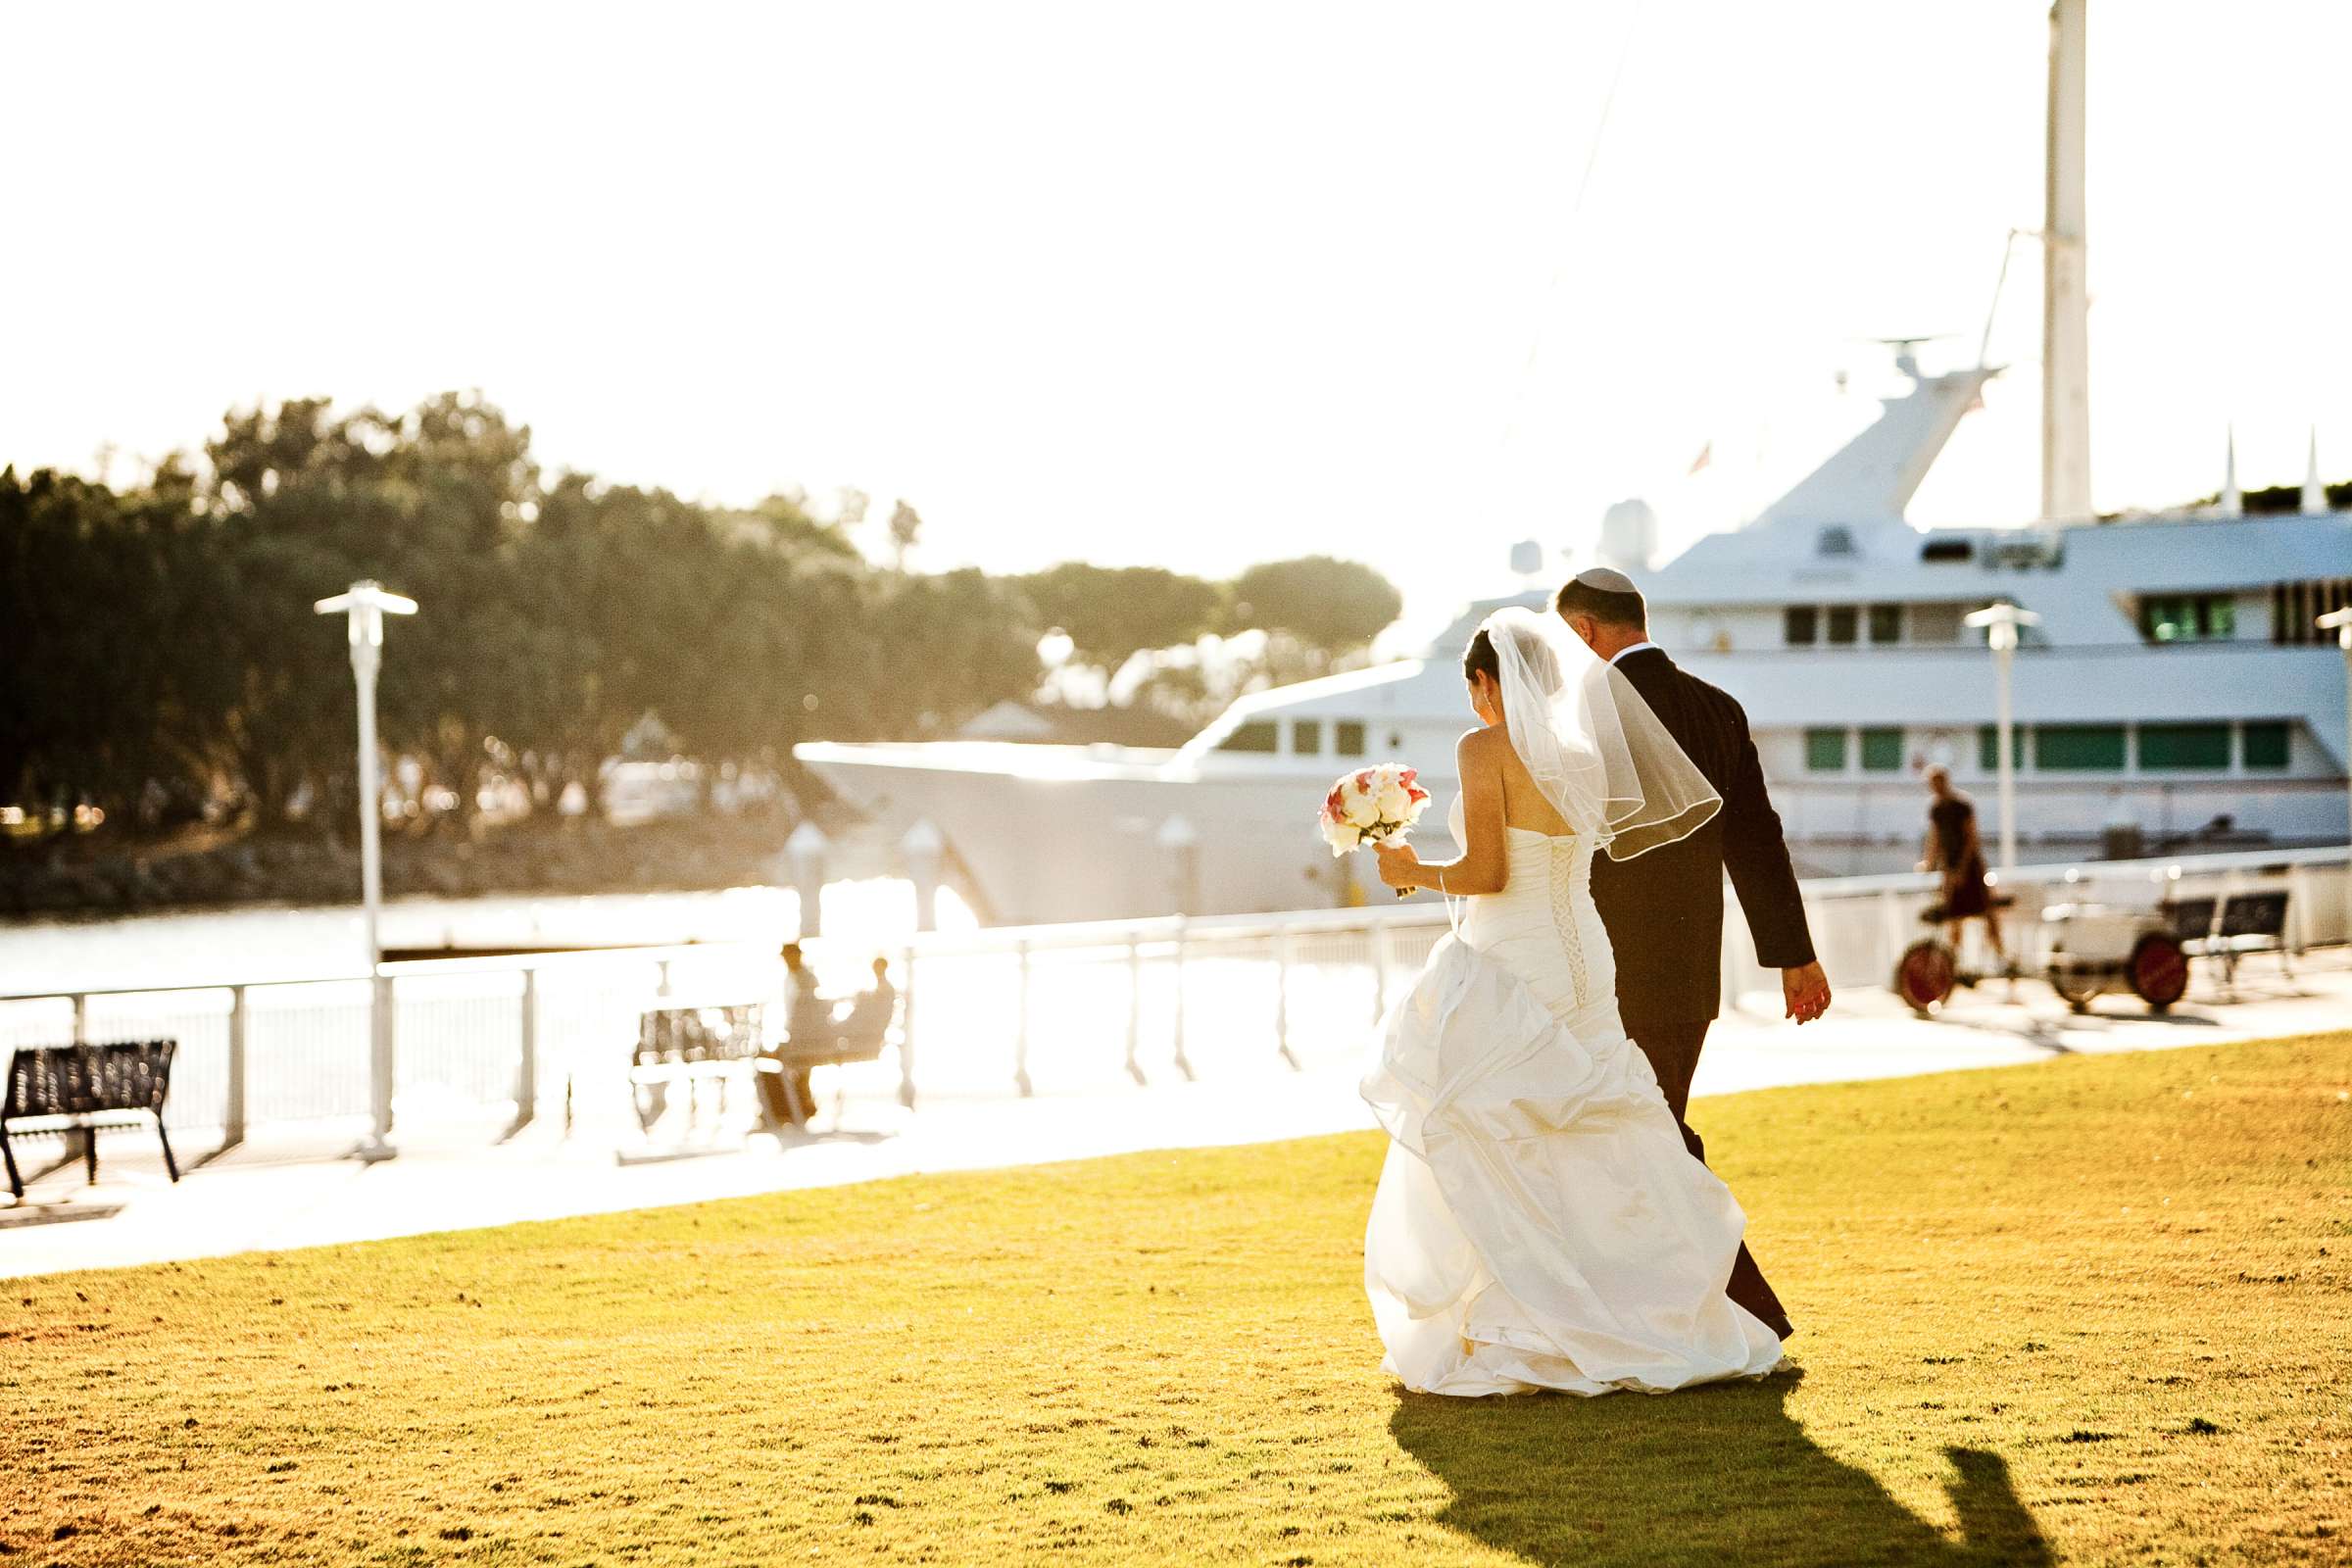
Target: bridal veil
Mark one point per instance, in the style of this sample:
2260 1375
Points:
1595 750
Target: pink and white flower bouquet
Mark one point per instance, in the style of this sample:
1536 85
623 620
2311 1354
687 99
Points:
1371 805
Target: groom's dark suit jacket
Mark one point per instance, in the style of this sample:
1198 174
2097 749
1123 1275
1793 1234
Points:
1664 910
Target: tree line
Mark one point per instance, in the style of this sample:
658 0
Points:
159 653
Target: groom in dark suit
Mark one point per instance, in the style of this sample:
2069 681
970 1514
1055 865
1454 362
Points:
1664 910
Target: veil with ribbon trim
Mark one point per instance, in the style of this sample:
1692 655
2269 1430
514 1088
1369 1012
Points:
1595 750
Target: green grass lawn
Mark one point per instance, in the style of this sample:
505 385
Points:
2094 1311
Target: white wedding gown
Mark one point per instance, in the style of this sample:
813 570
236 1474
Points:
1539 1223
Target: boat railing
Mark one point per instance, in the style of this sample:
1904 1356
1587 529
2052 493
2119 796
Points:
992 1013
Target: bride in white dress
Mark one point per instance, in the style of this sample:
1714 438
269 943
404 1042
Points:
1539 1222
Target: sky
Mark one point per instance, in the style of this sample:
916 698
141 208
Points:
1190 286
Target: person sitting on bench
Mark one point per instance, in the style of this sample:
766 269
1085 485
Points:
869 1016
809 1030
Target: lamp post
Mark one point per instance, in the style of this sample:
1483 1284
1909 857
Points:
364 609
2000 622
2339 622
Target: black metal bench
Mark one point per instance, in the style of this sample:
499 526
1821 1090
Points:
84 1087
2233 925
693 1046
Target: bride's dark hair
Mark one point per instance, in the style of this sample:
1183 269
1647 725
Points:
1480 658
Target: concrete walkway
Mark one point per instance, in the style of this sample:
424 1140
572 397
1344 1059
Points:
290 1187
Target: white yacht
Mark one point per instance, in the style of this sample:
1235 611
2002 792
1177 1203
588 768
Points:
2172 690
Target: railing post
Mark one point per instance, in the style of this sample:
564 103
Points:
1134 1008
907 1036
526 1076
240 1024
1380 969
1184 1063
1021 1038
81 1018
1891 931
662 985
1281 996
381 1074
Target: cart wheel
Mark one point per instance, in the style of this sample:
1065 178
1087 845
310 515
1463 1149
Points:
1924 975
2074 987
2159 970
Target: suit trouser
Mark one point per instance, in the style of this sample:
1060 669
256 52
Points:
1673 1050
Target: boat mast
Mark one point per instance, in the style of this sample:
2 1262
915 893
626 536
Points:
2065 295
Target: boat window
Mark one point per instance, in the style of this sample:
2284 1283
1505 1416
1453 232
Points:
2296 606
1825 750
2078 747
1842 619
1882 750
1800 625
2188 618
1947 550
1347 737
1306 737
1835 540
1886 623
1937 623
2173 748
1256 736
2266 745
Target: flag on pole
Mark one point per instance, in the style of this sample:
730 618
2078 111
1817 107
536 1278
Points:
1706 454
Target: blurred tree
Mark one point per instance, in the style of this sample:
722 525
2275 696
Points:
160 642
1113 612
1335 608
906 527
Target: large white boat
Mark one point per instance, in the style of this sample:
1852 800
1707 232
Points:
2172 690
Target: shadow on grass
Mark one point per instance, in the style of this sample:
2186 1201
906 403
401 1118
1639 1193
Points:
1711 1475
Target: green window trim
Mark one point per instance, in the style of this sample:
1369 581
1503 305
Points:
2078 747
2188 618
1825 750
2267 744
1882 750
2185 748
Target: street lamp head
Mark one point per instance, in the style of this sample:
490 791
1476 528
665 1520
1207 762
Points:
367 604
2000 622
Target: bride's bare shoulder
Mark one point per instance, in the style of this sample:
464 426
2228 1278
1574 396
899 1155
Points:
1487 745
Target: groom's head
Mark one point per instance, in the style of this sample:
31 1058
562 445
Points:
1603 608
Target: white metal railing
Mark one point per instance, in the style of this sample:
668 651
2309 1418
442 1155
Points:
1001 1011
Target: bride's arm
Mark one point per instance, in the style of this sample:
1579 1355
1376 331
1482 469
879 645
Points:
1484 865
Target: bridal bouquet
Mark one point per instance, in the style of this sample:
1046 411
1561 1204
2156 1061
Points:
1371 805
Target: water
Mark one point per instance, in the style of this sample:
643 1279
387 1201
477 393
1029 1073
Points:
286 941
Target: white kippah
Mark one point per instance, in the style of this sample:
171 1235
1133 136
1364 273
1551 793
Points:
1606 579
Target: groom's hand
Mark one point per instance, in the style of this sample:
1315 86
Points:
1806 991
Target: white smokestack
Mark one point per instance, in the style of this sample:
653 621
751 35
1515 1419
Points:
2065 286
